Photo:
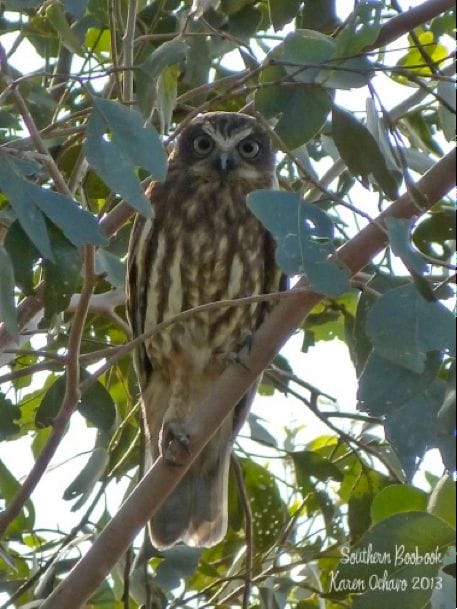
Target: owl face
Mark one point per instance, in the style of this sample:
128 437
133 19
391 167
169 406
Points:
225 146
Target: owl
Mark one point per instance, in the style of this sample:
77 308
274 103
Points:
202 245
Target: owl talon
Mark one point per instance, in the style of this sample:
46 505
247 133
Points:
174 442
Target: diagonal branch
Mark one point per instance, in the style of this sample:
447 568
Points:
162 478
409 20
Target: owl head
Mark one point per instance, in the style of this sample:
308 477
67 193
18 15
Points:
225 146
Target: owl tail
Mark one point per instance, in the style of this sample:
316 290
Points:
196 513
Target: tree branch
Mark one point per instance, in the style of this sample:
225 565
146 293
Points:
407 21
204 421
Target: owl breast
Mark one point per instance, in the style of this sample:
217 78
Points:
203 248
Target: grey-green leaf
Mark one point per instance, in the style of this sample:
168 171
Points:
116 144
402 246
29 200
282 12
305 239
361 153
385 386
7 305
401 536
404 327
29 216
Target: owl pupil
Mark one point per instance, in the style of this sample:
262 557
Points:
203 145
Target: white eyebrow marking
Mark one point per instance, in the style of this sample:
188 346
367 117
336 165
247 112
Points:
224 142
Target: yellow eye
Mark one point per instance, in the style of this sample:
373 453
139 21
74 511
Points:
249 149
203 145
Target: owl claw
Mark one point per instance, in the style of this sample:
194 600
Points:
246 346
174 441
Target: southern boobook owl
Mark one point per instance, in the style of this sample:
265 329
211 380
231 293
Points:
202 245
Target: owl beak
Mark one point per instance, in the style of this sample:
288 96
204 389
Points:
225 162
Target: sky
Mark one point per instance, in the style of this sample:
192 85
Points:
327 366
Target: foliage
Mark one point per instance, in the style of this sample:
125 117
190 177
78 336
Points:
88 129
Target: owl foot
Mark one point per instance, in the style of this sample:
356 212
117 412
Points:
174 442
246 346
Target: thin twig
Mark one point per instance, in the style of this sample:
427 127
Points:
129 49
249 529
72 394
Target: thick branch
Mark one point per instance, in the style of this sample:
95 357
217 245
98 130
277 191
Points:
409 20
162 478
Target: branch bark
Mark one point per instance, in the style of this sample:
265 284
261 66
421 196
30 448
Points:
162 478
409 20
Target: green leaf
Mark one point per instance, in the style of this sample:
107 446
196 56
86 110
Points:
319 15
436 229
396 499
361 153
259 433
76 7
310 101
55 12
7 303
62 277
89 475
245 23
309 49
305 239
51 403
394 540
399 231
21 5
446 93
404 327
23 255
116 143
413 429
28 214
167 54
112 267
367 487
447 413
414 60
310 465
8 415
9 486
442 503
385 386
360 31
282 12
317 54
97 405
29 200
303 116
180 563
268 508
167 94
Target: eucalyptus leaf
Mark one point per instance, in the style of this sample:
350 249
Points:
396 539
361 153
7 303
305 239
282 12
116 144
404 328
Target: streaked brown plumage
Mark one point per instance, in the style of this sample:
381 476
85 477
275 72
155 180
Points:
203 245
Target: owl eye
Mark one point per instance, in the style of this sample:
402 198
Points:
249 149
203 145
